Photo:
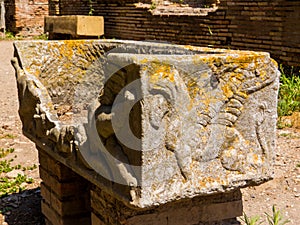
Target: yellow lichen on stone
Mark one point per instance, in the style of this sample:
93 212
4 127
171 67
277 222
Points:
193 88
161 71
227 91
70 46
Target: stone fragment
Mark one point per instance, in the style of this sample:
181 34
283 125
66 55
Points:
14 173
75 25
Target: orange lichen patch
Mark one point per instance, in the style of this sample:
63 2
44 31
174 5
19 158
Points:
207 181
238 76
255 157
247 142
70 46
204 138
193 88
189 47
231 151
227 91
161 71
33 71
274 62
144 61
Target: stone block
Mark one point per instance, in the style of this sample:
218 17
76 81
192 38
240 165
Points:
75 25
160 122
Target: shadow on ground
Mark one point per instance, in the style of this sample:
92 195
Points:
23 208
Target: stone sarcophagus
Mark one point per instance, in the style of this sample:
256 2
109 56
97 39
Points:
149 124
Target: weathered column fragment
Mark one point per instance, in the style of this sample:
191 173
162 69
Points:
157 133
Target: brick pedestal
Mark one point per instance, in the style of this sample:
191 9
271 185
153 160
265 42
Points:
219 209
66 198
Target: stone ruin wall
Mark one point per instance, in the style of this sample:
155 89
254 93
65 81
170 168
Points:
265 25
26 17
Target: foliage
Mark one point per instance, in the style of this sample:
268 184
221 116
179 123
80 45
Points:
276 218
12 185
251 220
9 186
289 94
41 37
5 152
8 136
91 12
153 5
10 36
5 166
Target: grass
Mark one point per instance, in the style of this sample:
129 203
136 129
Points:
289 93
276 218
272 219
11 36
12 185
5 152
41 37
289 135
8 136
255 220
153 5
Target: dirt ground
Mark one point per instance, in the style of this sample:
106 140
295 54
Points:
24 208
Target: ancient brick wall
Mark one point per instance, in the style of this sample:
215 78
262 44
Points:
192 3
26 17
266 25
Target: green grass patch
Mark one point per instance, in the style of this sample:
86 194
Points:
5 152
12 185
275 218
8 136
289 93
10 36
41 37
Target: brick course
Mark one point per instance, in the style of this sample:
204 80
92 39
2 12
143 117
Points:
66 196
265 25
26 17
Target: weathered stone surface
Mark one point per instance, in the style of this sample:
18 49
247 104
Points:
75 25
168 122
